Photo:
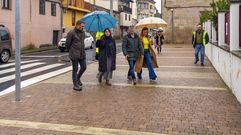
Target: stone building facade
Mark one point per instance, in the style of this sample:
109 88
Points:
185 17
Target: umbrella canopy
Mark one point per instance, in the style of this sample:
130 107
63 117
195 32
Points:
98 21
158 29
151 22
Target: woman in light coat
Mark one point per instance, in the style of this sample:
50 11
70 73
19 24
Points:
149 59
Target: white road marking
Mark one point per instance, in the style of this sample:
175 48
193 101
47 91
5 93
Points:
22 62
22 67
37 78
162 86
40 56
208 67
70 128
175 57
11 77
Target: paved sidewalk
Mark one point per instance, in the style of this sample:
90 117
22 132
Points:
186 99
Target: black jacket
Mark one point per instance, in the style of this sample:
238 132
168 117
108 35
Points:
107 48
132 46
75 44
157 41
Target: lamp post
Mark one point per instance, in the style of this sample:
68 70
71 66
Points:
172 20
111 7
17 51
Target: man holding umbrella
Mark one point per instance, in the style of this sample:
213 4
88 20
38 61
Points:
75 45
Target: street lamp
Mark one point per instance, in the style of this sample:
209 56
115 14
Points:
17 51
172 37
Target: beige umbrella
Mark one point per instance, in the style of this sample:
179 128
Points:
151 22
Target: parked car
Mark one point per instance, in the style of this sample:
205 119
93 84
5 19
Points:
5 44
89 42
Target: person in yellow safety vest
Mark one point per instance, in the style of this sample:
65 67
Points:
98 35
200 39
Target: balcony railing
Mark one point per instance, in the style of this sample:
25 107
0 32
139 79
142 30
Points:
125 9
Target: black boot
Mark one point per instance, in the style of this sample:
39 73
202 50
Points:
79 82
76 87
107 83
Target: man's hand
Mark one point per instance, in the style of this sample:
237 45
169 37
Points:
97 56
127 57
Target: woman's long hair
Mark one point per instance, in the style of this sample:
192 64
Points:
108 30
142 35
142 32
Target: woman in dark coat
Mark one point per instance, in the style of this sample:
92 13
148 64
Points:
107 57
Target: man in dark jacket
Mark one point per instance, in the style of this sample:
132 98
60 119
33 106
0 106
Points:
75 45
132 48
159 41
200 39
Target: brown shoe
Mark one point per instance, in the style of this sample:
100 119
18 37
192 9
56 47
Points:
107 83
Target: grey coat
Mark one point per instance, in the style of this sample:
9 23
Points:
132 46
75 44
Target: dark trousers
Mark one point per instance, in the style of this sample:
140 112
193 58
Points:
75 65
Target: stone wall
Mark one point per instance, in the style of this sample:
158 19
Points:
186 16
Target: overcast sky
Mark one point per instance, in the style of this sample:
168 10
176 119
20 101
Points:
158 5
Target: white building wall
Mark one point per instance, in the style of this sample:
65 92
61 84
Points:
236 76
106 4
123 21
221 28
234 27
214 34
227 64
134 9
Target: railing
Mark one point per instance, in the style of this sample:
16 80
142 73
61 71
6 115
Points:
125 9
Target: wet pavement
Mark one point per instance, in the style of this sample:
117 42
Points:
185 99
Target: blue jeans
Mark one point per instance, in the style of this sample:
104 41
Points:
201 48
131 71
147 58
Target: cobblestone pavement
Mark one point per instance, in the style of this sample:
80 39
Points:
186 99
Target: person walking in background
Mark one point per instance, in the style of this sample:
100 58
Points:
75 45
107 57
200 39
149 59
98 35
159 39
132 48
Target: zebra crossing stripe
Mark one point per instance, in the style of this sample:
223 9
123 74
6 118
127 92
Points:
36 79
22 62
11 77
22 67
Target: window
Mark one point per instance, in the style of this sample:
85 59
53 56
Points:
129 17
6 4
125 16
42 7
70 2
73 18
4 35
53 9
75 3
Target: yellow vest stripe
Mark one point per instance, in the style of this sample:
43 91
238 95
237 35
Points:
204 37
